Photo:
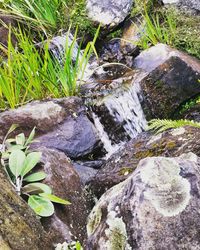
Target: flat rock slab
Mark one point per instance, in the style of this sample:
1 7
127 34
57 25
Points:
157 207
123 163
172 80
60 124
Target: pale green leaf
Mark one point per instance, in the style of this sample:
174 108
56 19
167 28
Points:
35 177
41 206
37 186
30 138
20 139
16 162
31 160
55 198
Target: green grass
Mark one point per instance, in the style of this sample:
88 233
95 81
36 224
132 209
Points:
29 75
50 16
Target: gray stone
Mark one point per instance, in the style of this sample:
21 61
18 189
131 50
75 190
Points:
122 164
60 123
172 80
69 221
157 207
190 4
108 12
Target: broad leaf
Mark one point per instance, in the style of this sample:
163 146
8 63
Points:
41 206
31 160
35 177
31 189
55 198
36 188
15 147
20 139
16 162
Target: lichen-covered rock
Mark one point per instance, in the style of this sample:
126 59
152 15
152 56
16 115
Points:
172 80
124 162
190 4
69 221
60 123
19 226
108 12
157 207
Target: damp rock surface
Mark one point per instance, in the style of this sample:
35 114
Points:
172 80
69 221
60 124
155 208
123 163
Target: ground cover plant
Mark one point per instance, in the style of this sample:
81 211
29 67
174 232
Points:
19 163
28 74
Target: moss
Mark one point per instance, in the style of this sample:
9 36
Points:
94 220
116 233
125 171
76 10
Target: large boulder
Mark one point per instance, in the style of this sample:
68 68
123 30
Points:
124 162
69 221
19 226
61 124
157 207
108 12
173 78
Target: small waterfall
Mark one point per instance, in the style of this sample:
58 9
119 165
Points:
125 107
110 149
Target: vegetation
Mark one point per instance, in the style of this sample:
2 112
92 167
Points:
50 16
75 245
160 126
28 75
19 163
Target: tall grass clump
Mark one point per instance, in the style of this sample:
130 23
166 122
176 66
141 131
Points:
29 74
158 28
41 14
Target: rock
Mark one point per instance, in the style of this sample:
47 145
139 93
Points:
69 221
121 165
61 124
19 226
109 13
192 113
120 119
157 207
190 4
172 80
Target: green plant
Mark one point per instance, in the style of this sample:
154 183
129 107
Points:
28 75
75 245
19 163
158 28
160 126
40 14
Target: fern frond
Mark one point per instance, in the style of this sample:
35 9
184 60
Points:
160 126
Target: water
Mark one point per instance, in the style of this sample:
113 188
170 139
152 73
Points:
108 146
125 107
122 110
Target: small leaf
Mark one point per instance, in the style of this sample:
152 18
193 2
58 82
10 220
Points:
55 198
31 160
41 206
20 139
30 138
35 177
16 162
